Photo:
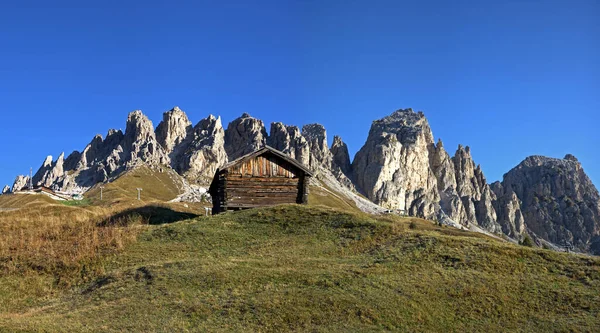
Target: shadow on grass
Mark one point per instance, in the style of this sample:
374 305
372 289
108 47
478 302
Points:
153 215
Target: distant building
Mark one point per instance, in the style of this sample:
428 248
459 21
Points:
42 190
264 177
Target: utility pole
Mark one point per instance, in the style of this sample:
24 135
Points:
101 192
139 190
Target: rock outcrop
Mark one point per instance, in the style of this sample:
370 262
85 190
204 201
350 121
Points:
508 210
474 191
140 144
20 183
316 136
340 156
392 168
6 190
202 152
445 174
400 167
555 198
244 135
173 129
289 140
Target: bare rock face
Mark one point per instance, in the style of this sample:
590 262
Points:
20 183
508 210
173 129
468 182
6 190
485 212
445 174
310 148
392 168
91 152
341 168
340 155
476 195
50 171
72 161
290 141
96 151
202 152
42 173
244 135
104 158
558 201
140 142
316 136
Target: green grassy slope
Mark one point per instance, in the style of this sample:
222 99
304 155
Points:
309 268
156 185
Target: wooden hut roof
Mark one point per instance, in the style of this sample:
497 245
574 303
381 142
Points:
262 151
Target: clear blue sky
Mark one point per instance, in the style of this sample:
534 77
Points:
508 78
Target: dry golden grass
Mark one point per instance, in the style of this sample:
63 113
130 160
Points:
60 240
65 240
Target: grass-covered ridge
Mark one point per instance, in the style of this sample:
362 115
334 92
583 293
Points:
306 268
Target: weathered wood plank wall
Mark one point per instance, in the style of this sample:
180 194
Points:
264 166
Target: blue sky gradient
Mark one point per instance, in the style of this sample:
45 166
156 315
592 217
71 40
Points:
508 78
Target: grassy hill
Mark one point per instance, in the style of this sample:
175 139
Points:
157 185
302 268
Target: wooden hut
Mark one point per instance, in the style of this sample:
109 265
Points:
264 177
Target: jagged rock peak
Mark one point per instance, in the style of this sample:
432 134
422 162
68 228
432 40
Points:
50 171
462 150
392 168
571 158
48 161
559 202
139 127
20 183
440 144
538 160
316 136
139 143
6 190
406 124
72 160
244 135
289 140
202 152
469 179
173 129
341 157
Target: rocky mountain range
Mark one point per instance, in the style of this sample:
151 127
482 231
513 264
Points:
400 167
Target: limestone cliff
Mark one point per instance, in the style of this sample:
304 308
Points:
244 135
553 199
173 129
289 140
392 168
20 183
199 155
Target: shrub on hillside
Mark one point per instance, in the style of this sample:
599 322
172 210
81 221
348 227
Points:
527 241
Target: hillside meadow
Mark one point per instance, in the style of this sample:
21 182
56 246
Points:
94 268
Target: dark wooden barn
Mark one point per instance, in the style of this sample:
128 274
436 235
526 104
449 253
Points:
265 177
